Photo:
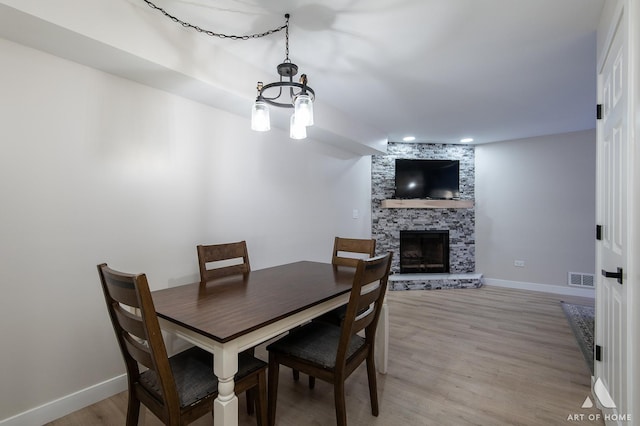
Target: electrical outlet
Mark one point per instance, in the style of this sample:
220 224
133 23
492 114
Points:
518 263
355 214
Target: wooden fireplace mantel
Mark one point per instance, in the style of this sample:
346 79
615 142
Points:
426 204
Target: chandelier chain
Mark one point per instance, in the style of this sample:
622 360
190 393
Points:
220 35
286 34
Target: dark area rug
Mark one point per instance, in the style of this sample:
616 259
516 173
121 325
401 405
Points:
582 320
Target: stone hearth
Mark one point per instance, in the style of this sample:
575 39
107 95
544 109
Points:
434 281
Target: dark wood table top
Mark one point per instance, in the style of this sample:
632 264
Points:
232 306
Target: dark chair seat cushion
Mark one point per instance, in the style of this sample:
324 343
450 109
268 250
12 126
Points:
316 342
193 374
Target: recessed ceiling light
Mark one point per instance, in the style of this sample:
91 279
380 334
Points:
409 138
466 140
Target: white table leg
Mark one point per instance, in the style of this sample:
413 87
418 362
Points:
382 339
225 406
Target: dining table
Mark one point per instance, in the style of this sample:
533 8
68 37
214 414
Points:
231 314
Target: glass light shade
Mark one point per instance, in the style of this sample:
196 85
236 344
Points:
296 130
303 110
260 120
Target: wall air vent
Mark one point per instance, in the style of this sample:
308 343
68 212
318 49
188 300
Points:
578 279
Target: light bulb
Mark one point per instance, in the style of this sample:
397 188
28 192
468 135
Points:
260 120
303 109
296 130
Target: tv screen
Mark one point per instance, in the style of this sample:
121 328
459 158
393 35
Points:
428 179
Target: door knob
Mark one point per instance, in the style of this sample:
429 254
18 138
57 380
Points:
617 274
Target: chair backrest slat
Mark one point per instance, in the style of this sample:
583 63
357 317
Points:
222 254
139 352
364 301
366 247
130 322
121 290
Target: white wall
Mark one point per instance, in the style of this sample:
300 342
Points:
535 201
95 168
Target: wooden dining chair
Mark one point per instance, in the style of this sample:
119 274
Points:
220 260
177 389
330 352
344 250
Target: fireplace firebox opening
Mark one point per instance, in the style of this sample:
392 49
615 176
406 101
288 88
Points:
424 252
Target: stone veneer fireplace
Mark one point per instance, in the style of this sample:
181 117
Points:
459 223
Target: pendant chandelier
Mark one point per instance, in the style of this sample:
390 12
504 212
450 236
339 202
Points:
285 93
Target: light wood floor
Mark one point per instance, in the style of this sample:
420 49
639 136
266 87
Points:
488 356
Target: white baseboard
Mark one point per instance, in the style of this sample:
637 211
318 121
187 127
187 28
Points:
546 288
68 404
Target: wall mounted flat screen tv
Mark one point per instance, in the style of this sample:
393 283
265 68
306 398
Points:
427 179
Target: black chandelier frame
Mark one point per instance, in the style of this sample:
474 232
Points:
287 69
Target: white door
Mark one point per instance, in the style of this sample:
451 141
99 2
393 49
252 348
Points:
611 203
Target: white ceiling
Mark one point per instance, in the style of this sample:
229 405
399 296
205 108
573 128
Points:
437 69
